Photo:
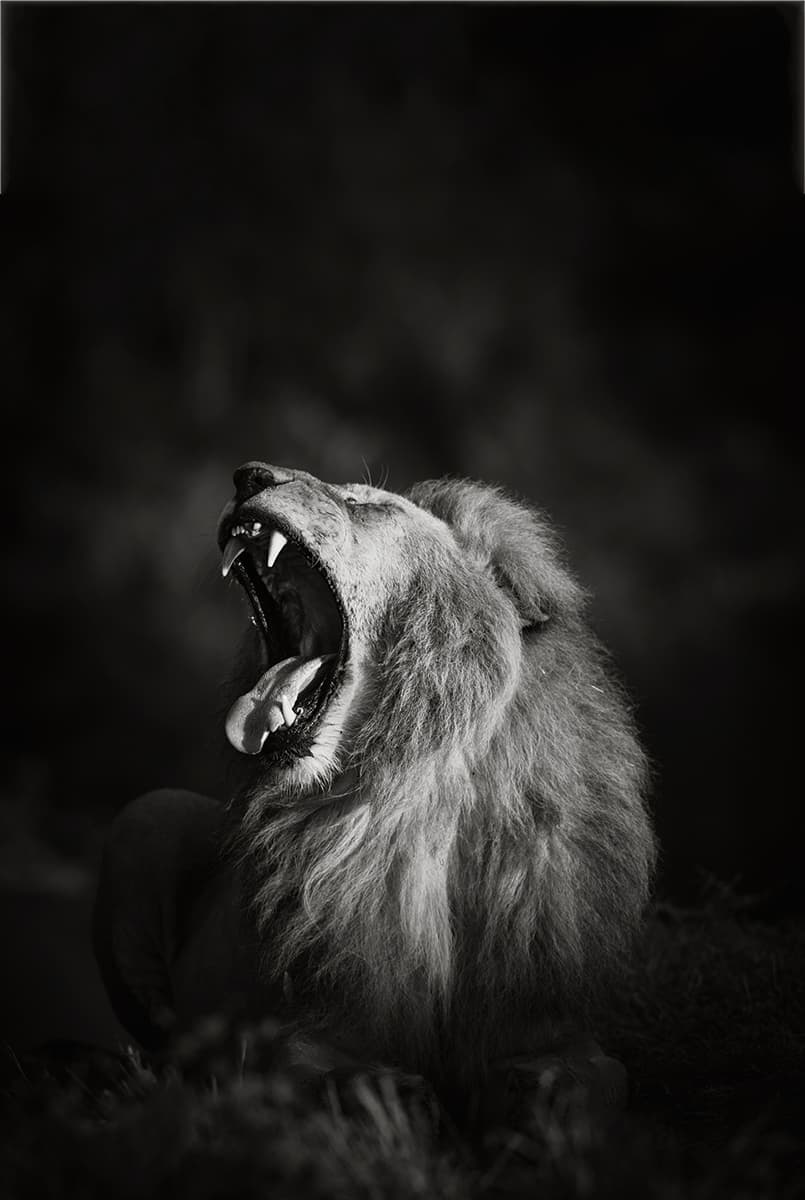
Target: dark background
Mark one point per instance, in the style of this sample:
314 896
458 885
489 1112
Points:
557 247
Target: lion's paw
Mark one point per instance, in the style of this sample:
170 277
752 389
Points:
527 1092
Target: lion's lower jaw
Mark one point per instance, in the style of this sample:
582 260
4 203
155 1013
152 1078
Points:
319 769
328 752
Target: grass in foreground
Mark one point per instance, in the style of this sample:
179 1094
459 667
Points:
711 1026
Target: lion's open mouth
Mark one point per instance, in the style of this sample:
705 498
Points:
299 613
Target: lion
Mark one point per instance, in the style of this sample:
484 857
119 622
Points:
438 851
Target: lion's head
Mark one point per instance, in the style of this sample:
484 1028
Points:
443 822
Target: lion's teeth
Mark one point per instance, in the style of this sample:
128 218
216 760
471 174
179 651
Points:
280 714
234 547
275 544
274 719
287 712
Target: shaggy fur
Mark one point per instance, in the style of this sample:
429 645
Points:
466 855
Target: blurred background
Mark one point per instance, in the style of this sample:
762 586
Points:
555 247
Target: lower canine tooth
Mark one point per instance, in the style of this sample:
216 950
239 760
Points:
275 545
234 547
287 712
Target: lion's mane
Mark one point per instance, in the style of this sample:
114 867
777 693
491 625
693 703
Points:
485 869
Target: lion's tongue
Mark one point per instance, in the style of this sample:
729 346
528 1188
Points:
270 703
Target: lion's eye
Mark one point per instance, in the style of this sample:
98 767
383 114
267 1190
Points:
351 501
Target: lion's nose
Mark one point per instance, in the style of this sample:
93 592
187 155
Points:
254 477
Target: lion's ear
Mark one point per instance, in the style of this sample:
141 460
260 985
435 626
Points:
532 609
514 542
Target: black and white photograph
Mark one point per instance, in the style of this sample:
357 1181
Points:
401 777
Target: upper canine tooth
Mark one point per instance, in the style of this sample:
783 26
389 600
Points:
275 545
233 548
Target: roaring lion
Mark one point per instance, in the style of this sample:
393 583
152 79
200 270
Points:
439 852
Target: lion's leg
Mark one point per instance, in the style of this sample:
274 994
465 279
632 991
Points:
161 852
